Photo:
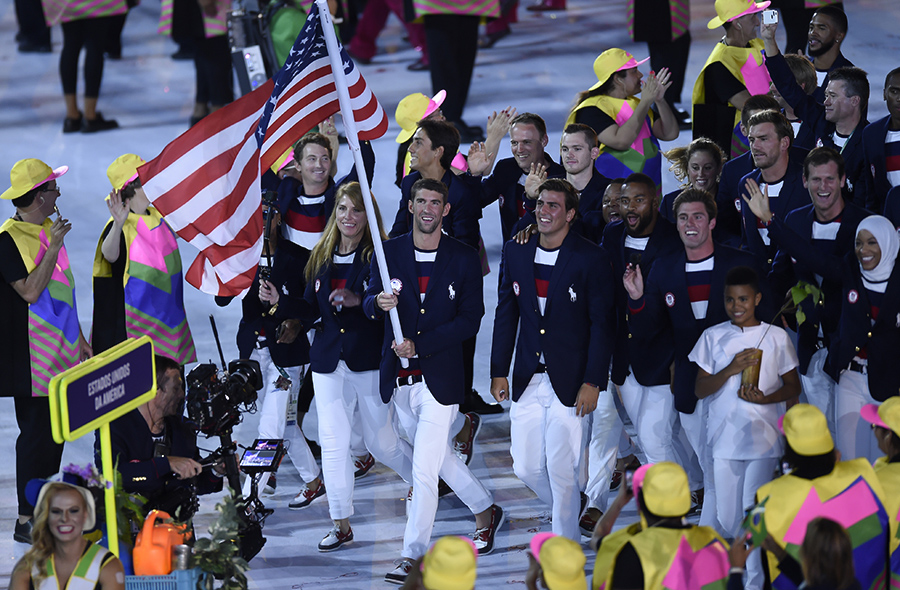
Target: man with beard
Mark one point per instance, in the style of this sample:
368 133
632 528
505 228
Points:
827 30
527 140
643 373
437 291
881 142
771 137
829 223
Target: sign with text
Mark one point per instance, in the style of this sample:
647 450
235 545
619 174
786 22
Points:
102 389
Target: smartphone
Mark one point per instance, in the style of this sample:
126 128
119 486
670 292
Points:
629 478
770 17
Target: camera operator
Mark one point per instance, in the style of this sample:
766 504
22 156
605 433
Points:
155 449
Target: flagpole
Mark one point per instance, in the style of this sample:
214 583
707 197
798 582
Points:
340 83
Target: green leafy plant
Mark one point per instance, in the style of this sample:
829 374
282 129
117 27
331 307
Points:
218 555
801 291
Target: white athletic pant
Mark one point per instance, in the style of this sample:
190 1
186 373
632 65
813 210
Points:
340 396
547 450
737 482
427 424
606 432
652 411
694 428
819 388
273 417
854 435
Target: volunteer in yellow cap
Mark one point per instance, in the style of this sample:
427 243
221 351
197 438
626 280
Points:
141 292
558 562
41 336
818 483
734 71
663 553
885 421
629 132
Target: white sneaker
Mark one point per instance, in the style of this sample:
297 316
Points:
399 574
334 539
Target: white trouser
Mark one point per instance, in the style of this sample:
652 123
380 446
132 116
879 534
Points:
358 449
273 417
694 428
606 433
741 479
819 388
547 450
686 442
427 424
854 435
652 411
340 396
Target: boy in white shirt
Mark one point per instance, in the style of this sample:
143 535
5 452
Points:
742 427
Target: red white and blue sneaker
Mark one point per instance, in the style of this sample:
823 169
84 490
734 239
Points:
305 497
484 537
334 539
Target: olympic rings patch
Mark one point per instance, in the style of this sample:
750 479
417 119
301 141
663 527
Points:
670 299
853 296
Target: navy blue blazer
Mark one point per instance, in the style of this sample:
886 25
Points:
450 314
647 362
665 310
877 185
576 331
892 206
792 196
465 211
786 271
812 113
347 335
503 184
728 219
839 62
855 329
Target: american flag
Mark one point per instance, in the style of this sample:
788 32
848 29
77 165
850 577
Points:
206 182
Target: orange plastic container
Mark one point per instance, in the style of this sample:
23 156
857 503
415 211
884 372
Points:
153 548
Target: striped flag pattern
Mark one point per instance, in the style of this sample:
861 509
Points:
206 181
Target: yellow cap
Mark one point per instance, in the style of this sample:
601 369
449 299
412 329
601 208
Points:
666 490
450 564
562 562
123 170
611 61
413 109
29 174
806 430
728 10
887 415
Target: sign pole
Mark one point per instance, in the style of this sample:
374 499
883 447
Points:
109 474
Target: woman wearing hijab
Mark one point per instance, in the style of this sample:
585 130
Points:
863 353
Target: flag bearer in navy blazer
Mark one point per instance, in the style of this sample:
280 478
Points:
642 372
437 291
344 357
682 296
557 293
829 223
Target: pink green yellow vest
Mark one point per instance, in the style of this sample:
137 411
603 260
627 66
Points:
851 495
692 558
642 156
213 26
889 476
53 329
85 576
483 8
748 65
679 18
63 11
153 285
608 551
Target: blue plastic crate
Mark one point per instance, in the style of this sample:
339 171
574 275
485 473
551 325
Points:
177 580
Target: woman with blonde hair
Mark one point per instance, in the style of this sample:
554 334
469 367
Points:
345 356
60 556
697 165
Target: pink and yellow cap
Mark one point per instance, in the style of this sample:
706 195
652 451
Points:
886 415
29 174
413 109
611 61
728 10
123 170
